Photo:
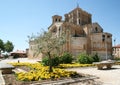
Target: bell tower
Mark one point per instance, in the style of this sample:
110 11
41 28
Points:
78 17
56 18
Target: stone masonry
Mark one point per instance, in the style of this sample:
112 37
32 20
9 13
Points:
84 36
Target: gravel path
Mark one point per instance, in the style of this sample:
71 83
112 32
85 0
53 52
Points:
107 77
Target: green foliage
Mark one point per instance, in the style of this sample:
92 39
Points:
66 58
96 58
117 58
85 59
16 56
8 46
1 45
54 61
45 61
48 45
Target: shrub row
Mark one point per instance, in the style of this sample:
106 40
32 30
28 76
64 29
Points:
64 59
88 59
67 58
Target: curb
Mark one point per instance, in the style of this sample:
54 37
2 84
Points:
2 81
66 81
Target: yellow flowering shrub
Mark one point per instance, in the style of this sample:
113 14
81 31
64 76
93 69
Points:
39 72
75 65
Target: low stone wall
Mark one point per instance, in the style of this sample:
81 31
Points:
6 68
72 81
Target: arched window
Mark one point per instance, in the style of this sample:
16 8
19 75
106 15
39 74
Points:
59 20
56 20
96 29
103 37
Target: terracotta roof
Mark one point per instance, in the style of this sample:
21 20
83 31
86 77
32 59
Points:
19 51
117 46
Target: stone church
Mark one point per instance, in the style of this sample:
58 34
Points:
83 35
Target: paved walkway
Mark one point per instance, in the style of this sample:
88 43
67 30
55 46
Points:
20 60
2 81
107 77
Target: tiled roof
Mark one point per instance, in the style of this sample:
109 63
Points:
117 46
19 51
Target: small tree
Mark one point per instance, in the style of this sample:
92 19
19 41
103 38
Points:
1 46
8 46
47 44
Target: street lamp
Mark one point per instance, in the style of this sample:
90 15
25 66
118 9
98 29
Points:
106 48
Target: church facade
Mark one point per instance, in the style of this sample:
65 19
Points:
83 36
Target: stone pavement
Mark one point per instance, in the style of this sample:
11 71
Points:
20 60
2 81
106 77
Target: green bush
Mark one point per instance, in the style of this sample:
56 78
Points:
66 58
91 60
85 59
117 58
54 61
45 61
15 56
96 58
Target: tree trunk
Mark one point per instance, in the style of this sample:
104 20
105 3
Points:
50 62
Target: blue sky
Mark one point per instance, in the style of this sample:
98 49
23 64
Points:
20 18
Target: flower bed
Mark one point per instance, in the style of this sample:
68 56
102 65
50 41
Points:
39 72
75 65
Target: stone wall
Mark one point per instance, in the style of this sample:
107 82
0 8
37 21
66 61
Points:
78 45
83 36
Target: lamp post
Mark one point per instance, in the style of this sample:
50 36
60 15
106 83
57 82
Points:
106 48
114 54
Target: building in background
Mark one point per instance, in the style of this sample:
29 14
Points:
116 51
83 36
19 54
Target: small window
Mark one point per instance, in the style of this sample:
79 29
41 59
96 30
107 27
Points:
103 37
56 20
96 29
108 36
59 20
